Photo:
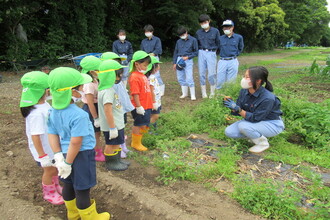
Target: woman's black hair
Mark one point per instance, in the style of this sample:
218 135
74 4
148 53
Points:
25 111
260 72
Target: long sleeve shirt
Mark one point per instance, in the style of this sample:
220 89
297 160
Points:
231 46
125 47
208 39
262 105
187 47
154 45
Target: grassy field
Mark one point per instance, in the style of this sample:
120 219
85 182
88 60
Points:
288 181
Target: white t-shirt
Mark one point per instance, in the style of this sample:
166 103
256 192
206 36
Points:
154 82
36 124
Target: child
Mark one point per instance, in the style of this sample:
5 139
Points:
124 99
186 49
155 90
111 115
34 109
124 49
141 97
260 109
153 46
71 136
89 65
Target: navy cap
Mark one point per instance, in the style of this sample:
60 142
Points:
228 23
181 64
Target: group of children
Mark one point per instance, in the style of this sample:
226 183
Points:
65 139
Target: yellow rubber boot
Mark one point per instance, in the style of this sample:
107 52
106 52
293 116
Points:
136 143
144 130
91 214
72 210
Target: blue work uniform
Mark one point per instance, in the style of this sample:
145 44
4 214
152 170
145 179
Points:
186 48
263 115
123 49
230 48
154 45
208 44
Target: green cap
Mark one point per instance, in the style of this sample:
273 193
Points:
154 60
34 84
107 74
111 56
138 55
89 63
61 80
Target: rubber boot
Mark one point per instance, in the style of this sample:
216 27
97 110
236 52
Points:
136 143
203 88
212 92
144 130
51 195
162 89
126 162
184 90
72 210
192 93
99 156
261 144
58 187
112 162
91 214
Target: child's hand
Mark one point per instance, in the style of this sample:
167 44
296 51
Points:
96 122
58 157
64 169
45 161
154 106
113 133
140 110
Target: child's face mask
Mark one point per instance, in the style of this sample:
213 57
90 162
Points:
77 95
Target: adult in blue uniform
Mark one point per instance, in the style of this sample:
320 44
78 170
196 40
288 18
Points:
260 110
208 43
231 45
124 49
153 46
186 48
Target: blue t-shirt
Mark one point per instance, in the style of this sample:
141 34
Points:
71 122
262 105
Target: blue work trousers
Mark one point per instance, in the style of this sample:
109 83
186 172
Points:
158 77
185 76
125 69
227 71
246 129
207 61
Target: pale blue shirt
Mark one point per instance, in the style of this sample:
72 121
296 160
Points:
71 122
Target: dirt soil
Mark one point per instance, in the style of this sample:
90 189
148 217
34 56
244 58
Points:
133 194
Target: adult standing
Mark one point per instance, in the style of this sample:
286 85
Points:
208 43
231 46
153 46
186 49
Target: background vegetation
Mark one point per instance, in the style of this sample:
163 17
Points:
53 28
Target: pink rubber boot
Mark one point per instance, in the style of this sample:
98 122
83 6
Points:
99 156
58 187
51 195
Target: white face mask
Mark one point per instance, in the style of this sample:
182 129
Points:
148 34
227 32
205 26
245 84
122 37
75 99
183 37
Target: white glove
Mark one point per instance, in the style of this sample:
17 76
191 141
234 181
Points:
140 110
97 122
113 133
155 106
58 157
45 161
64 169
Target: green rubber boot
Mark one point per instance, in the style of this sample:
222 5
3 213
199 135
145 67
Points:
112 162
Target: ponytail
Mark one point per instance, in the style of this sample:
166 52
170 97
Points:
269 86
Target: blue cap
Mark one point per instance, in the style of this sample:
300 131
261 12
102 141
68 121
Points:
181 64
228 23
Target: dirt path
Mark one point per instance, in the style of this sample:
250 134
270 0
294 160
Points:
133 194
